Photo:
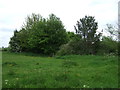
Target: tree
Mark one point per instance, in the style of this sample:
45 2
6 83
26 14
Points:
72 35
56 33
112 31
41 35
23 39
86 29
14 42
110 44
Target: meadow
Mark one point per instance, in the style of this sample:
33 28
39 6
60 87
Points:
22 70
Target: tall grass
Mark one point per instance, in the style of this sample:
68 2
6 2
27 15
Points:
72 71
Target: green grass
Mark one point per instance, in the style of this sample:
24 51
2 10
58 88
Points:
73 71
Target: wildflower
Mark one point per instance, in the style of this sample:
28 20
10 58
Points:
93 42
6 80
17 78
84 85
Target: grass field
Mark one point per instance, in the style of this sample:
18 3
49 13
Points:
73 71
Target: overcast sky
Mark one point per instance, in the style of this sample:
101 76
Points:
14 12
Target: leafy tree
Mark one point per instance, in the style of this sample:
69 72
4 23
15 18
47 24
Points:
19 41
23 39
47 35
40 35
86 28
37 37
85 41
31 21
14 42
72 36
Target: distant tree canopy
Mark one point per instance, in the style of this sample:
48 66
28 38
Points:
86 29
48 36
85 40
39 35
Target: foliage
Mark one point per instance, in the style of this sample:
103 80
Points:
39 35
112 32
4 49
14 42
47 36
72 47
71 35
86 28
65 49
85 41
108 45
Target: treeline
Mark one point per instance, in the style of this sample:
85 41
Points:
48 36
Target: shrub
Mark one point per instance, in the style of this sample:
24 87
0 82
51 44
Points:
39 35
5 49
65 49
72 47
108 46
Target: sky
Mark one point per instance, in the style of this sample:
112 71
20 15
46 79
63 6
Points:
14 12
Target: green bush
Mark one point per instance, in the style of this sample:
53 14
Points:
73 47
65 49
5 49
108 46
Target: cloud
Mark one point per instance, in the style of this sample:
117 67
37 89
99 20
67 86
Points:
14 12
5 38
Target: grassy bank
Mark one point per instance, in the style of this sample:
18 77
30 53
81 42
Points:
74 71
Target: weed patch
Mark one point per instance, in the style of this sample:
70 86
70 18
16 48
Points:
9 64
69 63
62 77
11 72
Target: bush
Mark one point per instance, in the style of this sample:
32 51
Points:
65 49
5 49
108 46
73 47
39 35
